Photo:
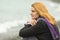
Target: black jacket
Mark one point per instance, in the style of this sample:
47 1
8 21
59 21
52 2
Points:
40 30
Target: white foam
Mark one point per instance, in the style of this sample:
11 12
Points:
6 25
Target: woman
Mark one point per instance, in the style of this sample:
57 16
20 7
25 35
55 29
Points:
38 29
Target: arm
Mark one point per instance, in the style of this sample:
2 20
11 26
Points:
32 30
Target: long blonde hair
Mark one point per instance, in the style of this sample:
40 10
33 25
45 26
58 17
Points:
43 12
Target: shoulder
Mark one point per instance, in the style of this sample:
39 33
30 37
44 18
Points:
41 21
42 24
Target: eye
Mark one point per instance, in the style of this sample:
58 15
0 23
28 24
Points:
33 11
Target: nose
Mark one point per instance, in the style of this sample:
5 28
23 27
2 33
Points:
31 14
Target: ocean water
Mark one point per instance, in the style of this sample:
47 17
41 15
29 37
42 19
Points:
20 9
10 30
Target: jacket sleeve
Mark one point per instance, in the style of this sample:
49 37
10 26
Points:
32 30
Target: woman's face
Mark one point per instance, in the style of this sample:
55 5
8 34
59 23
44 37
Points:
34 13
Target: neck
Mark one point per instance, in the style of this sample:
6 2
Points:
39 17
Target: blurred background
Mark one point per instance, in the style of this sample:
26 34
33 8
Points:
15 13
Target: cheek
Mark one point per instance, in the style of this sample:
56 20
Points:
33 14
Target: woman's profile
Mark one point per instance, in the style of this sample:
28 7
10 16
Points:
38 29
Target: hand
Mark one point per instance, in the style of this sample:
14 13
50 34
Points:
32 22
